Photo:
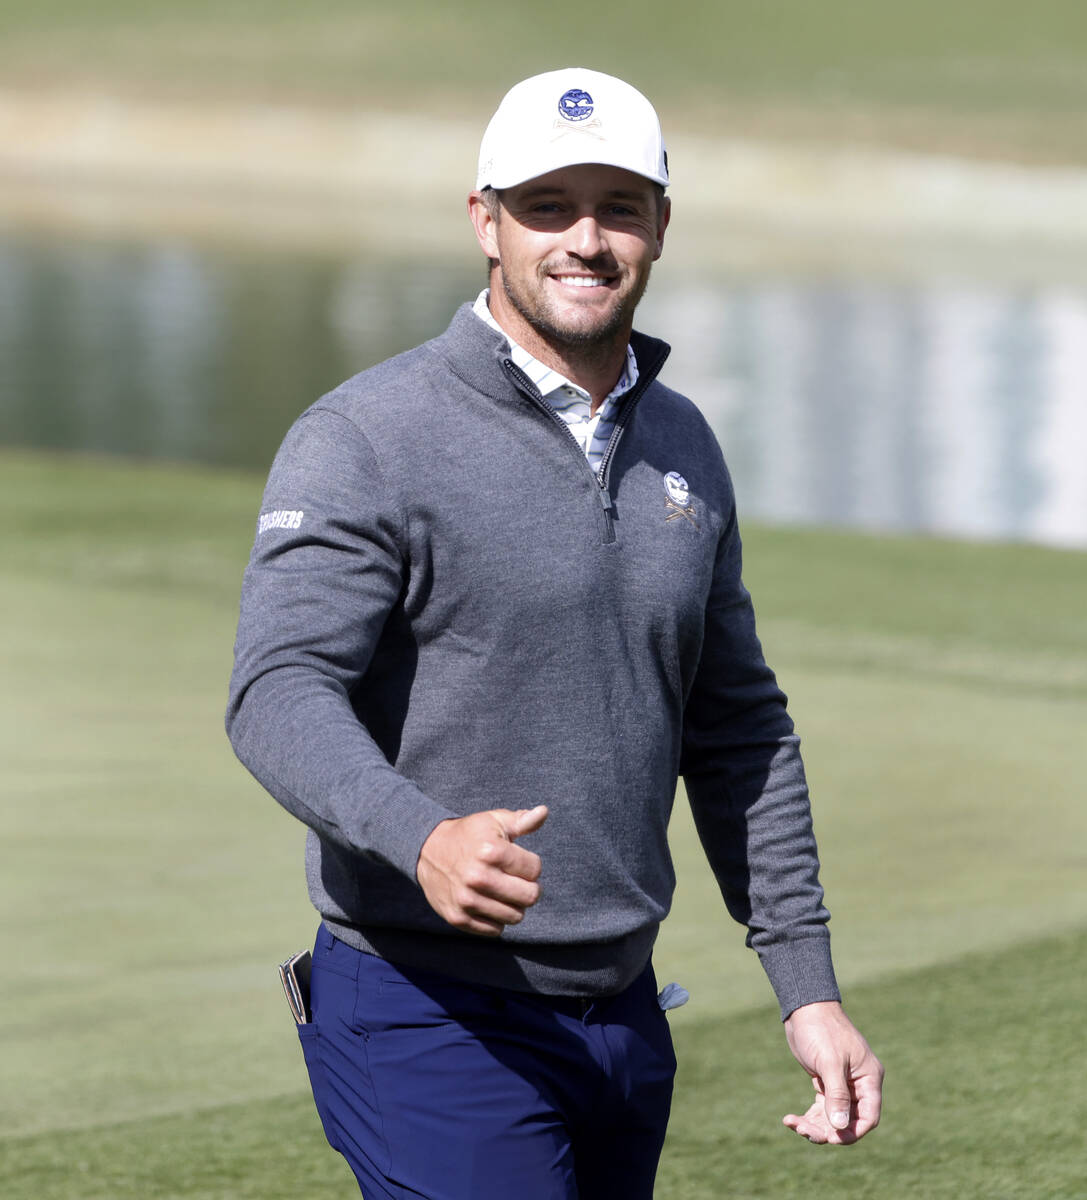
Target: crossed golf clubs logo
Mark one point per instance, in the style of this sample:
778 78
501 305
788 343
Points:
674 511
677 498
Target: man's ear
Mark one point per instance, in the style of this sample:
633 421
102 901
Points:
662 224
485 223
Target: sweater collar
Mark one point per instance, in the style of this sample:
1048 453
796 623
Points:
555 387
475 353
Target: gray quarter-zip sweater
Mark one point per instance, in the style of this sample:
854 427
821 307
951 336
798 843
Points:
447 610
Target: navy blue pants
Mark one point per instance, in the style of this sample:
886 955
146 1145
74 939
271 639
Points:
450 1091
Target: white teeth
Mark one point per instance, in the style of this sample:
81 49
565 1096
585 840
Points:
582 280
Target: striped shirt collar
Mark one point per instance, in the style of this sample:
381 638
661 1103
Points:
550 381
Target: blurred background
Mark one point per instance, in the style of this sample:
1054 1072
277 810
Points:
875 285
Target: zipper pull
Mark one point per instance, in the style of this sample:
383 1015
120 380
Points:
609 509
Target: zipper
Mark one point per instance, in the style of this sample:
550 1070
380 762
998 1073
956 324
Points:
600 477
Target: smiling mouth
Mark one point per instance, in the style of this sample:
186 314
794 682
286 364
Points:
582 281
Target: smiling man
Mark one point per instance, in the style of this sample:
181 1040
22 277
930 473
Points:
506 616
573 256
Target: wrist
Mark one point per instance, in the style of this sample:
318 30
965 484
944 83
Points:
427 851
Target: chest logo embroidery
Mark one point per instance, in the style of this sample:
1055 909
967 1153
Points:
678 498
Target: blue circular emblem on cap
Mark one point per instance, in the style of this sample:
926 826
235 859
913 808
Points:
576 105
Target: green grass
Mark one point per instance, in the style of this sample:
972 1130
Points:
986 75
984 1091
147 886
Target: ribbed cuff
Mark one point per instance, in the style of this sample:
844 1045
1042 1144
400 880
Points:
800 972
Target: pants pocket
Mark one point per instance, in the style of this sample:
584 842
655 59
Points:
310 1038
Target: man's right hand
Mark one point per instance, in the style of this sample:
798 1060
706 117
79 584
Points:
475 876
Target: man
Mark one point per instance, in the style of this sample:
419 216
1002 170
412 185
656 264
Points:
505 614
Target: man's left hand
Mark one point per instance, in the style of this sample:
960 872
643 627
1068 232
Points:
848 1077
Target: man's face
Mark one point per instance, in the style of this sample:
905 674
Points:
574 251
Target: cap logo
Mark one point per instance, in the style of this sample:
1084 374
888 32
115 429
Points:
576 105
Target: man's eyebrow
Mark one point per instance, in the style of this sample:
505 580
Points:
540 190
627 194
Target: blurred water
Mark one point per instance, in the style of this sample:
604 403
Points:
941 405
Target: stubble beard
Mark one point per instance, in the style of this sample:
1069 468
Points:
585 344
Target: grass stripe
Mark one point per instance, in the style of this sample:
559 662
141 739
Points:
984 1095
985 1089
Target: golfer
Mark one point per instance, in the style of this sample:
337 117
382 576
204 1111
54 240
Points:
505 616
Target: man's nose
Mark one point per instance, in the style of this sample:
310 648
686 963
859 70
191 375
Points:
586 239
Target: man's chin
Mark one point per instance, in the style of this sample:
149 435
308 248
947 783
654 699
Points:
583 328
576 324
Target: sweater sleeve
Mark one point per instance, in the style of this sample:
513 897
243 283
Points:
745 781
326 569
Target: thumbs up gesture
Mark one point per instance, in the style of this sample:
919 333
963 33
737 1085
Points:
473 873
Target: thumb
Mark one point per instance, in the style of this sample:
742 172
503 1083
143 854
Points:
837 1102
524 820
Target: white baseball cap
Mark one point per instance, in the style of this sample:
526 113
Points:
563 118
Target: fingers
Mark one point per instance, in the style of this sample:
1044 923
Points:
814 1126
847 1076
837 1101
474 876
869 1092
523 820
507 857
864 1093
498 887
811 1126
853 1095
818 1126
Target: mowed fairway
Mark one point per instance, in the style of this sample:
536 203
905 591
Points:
148 887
